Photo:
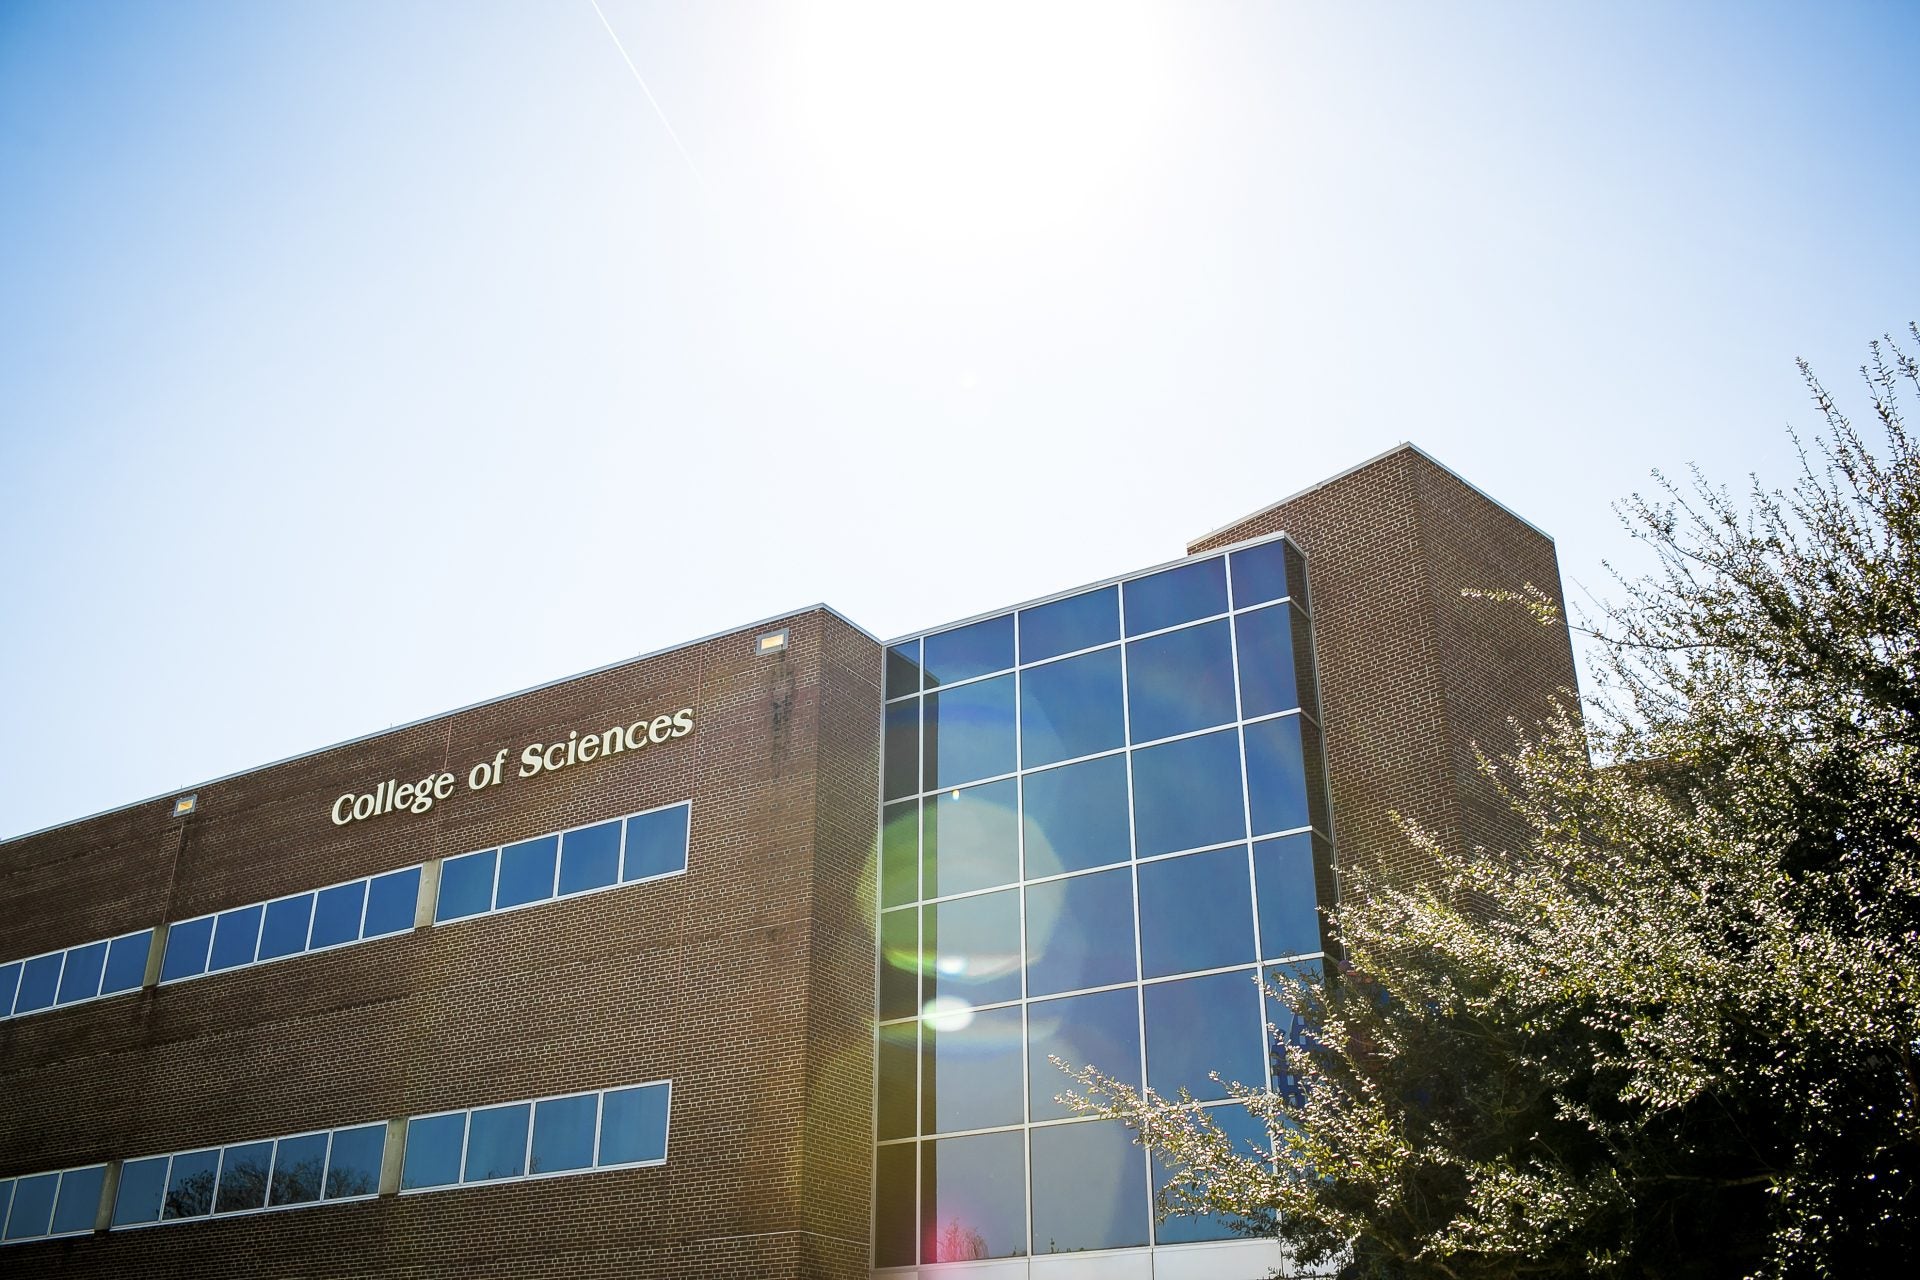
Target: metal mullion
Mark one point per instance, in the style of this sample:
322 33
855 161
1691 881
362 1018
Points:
466 1123
620 857
1246 818
599 1106
1020 874
1133 860
1052 658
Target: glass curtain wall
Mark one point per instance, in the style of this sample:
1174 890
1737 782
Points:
1103 818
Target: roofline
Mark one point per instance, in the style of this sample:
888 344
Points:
441 715
1404 445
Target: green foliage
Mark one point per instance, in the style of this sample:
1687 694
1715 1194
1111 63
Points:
1677 1036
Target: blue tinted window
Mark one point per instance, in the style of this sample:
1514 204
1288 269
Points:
81 978
9 985
973 1077
974 948
972 839
1174 596
434 1145
39 983
969 732
353 1161
1089 1188
900 854
899 964
972 650
633 1125
1196 912
563 1133
1249 1137
126 963
236 937
6 1198
1201 1025
1180 681
1276 775
894 1227
1080 932
336 914
1289 924
466 885
298 1165
186 953
902 751
1101 1029
1267 677
243 1177
1288 1030
898 1079
1187 794
973 1197
1071 708
903 669
1259 573
190 1185
392 900
143 1183
283 930
79 1204
1076 816
32 1206
1078 622
527 871
497 1143
590 858
657 843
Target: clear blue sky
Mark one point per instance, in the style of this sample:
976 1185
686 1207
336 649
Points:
362 360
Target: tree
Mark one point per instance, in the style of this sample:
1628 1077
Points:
1677 1035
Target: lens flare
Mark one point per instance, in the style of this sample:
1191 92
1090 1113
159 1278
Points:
947 1013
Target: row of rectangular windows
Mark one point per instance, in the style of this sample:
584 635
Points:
85 972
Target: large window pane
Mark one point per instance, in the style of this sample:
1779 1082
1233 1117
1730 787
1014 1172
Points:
434 1144
1276 775
972 650
1201 1025
969 733
32 1213
392 901
1062 626
190 1185
283 930
1076 816
1174 596
1267 675
974 948
243 1177
657 843
79 1205
1089 1188
894 1227
298 1165
1288 1029
902 749
972 839
1071 708
973 1197
973 1076
1249 1136
39 983
899 1080
1289 922
527 871
497 1143
1259 573
633 1125
236 938
336 914
466 885
900 854
1180 681
353 1161
143 1184
1187 794
9 987
590 858
899 964
80 980
187 944
903 669
563 1133
1196 912
1101 1029
1080 932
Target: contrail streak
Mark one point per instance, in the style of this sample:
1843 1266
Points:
642 81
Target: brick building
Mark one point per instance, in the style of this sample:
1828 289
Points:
585 980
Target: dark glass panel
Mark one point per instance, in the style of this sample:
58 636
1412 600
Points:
79 1205
1080 932
1062 626
1071 708
1267 674
39 983
190 1185
1174 596
1249 1136
243 1177
590 858
1303 673
236 938
9 985
392 901
1089 1188
900 854
973 1197
32 1211
974 946
972 839
903 669
526 872
433 1152
1187 794
633 1125
899 1080
902 751
1101 1029
80 980
563 1133
353 1162
1297 578
143 1183
973 1073
283 930
1287 1029
298 1166
466 885
187 944
1289 923
1180 681
1196 912
1201 1025
893 1225
1259 573
336 914
657 843
899 964
497 1143
1076 816
969 732
1276 776
1314 763
972 650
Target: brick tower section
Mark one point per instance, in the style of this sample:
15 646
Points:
1416 678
